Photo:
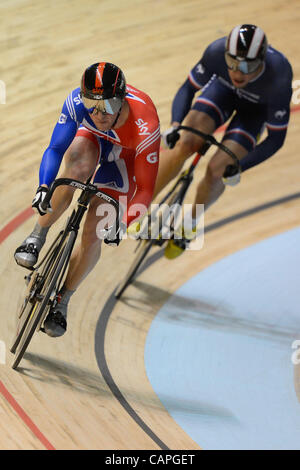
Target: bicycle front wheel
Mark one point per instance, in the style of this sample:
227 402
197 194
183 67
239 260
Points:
162 219
26 307
39 310
21 325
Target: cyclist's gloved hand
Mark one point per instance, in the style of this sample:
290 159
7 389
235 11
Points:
38 199
232 175
170 137
114 237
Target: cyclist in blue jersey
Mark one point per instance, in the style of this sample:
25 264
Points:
110 130
243 79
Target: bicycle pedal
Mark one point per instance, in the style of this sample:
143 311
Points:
175 248
159 241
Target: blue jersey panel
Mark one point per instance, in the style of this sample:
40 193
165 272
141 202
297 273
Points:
72 114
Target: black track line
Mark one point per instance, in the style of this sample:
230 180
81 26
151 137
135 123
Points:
101 359
111 301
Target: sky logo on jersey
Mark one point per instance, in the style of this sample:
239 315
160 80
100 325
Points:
77 100
143 129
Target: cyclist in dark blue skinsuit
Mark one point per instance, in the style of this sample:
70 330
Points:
242 78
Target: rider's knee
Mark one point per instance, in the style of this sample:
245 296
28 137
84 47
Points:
214 172
78 167
91 238
189 144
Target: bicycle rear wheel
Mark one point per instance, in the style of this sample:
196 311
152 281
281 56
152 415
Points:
38 313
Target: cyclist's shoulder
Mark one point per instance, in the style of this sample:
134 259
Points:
279 74
142 127
278 63
138 98
212 56
73 105
142 107
217 46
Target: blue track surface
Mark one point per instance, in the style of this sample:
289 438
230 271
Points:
218 353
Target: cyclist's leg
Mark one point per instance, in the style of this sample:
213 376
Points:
86 255
209 190
211 186
240 137
172 160
83 259
210 110
111 174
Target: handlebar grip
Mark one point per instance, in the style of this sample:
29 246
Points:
210 140
172 138
44 204
76 185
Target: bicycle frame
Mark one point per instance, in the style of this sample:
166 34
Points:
208 141
88 191
43 286
184 180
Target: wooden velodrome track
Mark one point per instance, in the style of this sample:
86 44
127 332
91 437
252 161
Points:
63 397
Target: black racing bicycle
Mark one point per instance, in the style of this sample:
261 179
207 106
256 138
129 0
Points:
160 222
46 279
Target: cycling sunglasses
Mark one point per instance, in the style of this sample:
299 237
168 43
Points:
108 106
244 66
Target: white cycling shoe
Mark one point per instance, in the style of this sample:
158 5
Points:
27 254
